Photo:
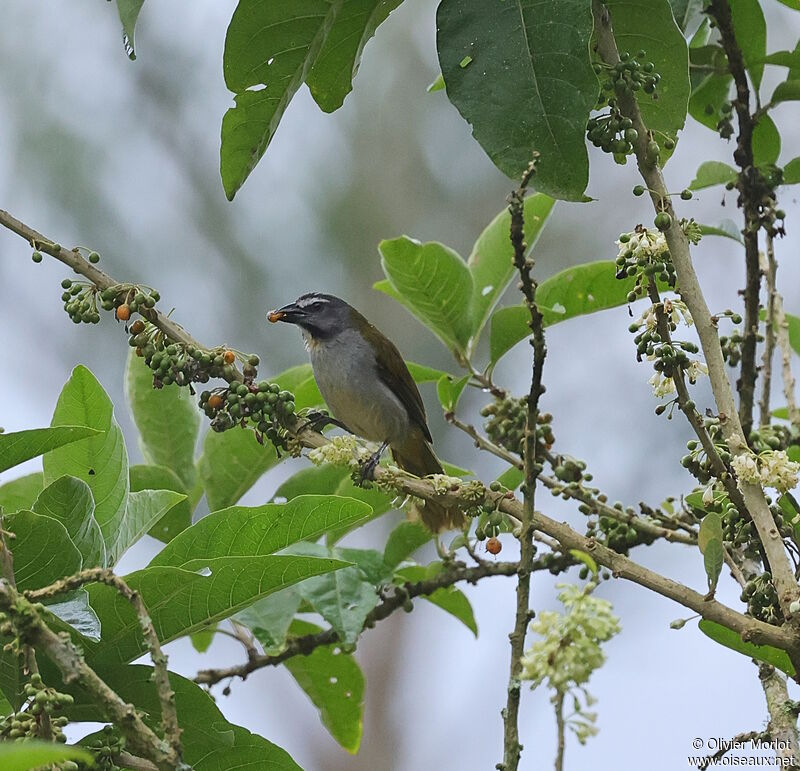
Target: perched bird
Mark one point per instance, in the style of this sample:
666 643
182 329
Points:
368 388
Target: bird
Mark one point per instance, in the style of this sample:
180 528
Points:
367 387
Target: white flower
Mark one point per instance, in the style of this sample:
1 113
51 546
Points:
340 451
662 386
695 369
676 309
746 467
708 494
643 243
771 468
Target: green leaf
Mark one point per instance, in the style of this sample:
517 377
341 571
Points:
403 541
449 598
167 418
491 261
69 500
788 91
709 539
335 684
708 98
343 598
42 550
634 22
793 323
128 15
19 446
530 86
750 28
791 512
241 531
436 85
210 742
685 11
766 142
33 754
423 374
74 609
434 283
177 518
331 77
145 509
269 619
730 639
12 675
791 172
726 229
231 463
712 173
790 59
449 391
182 602
273 45
572 292
201 641
586 559
511 478
21 493
101 460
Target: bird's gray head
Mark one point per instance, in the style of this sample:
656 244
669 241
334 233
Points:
322 316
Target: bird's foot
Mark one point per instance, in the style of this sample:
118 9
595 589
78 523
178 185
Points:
370 464
317 420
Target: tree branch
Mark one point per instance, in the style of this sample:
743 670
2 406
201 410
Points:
692 294
304 646
782 729
166 696
769 267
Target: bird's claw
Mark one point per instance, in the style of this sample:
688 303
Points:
370 464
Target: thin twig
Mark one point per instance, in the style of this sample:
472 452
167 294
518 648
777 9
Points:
769 267
304 646
512 749
166 696
558 704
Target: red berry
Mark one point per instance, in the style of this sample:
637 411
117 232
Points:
137 327
215 401
493 546
123 312
229 357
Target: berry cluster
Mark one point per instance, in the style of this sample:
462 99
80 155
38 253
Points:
629 75
506 424
762 599
617 535
82 300
40 701
612 132
643 254
696 461
106 746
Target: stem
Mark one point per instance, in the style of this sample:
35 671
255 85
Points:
770 268
782 727
512 748
558 701
692 294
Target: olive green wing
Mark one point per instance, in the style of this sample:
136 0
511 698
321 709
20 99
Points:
394 373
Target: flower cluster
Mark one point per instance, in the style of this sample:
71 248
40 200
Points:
771 468
340 451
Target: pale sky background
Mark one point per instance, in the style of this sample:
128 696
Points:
123 157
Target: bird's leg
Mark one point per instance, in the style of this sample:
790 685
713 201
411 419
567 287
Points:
370 464
319 419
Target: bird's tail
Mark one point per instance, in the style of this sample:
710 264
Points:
416 456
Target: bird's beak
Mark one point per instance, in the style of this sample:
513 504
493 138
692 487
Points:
289 313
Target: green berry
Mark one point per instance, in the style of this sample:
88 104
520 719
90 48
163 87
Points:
663 221
638 190
36 256
686 195
94 257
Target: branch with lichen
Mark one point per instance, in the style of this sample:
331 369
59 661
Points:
166 696
753 494
32 629
512 748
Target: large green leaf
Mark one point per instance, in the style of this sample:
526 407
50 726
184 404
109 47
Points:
787 91
19 446
241 531
572 292
685 12
448 598
101 460
41 548
231 463
634 22
750 28
270 48
708 98
711 173
434 283
167 418
145 509
403 541
331 77
491 261
793 323
335 684
181 602
12 674
74 609
519 73
69 500
730 639
179 517
210 742
21 493
32 754
709 539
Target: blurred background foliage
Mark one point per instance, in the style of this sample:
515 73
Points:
123 157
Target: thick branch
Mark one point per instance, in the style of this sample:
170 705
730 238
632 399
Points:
166 696
74 669
692 294
304 646
782 727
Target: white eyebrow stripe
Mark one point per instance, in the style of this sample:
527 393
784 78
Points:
306 301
